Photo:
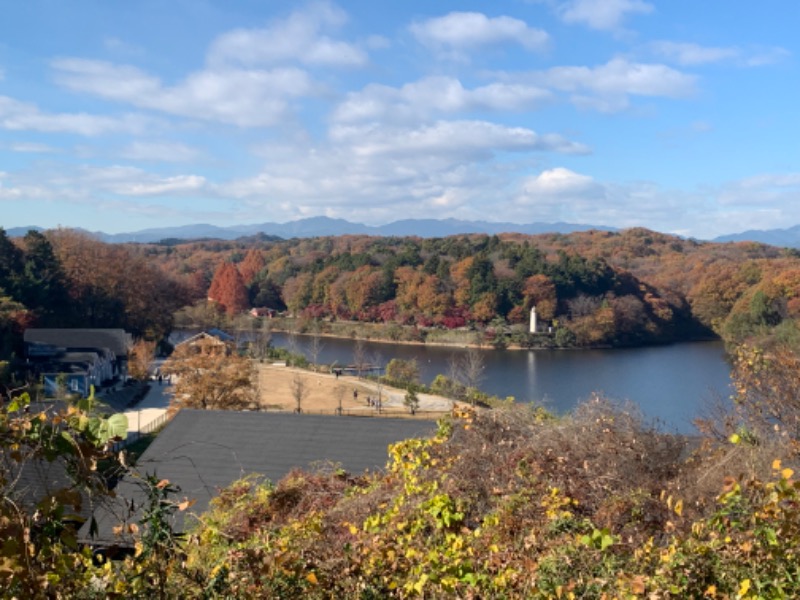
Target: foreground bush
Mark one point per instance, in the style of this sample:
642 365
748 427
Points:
512 504
503 503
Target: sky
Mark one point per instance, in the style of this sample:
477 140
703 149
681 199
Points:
675 115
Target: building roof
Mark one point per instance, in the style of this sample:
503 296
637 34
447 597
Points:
216 337
116 340
204 451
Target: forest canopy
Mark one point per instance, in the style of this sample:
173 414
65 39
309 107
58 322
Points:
592 288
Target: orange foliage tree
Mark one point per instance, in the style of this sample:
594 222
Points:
228 290
252 265
209 376
540 291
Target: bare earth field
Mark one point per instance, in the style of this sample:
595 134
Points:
323 393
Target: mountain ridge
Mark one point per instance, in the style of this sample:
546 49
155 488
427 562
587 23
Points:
326 226
426 228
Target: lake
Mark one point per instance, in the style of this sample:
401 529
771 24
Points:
671 384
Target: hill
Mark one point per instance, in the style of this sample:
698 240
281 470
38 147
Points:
325 226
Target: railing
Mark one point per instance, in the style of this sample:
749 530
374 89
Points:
150 427
386 412
156 423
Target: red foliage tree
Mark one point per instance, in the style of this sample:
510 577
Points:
252 265
228 290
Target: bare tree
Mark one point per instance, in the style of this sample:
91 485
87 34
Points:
360 359
473 369
240 326
455 376
340 390
291 339
316 346
583 305
377 360
260 340
299 391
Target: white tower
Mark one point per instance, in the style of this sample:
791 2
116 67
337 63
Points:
533 320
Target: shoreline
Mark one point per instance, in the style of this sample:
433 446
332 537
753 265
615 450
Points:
489 346
460 344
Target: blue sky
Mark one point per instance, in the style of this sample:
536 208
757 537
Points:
674 115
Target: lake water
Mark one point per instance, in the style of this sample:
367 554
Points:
671 384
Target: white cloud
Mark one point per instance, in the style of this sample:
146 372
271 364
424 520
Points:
608 87
455 139
760 57
434 95
22 192
159 151
248 98
691 54
557 181
180 184
685 53
557 194
297 38
32 148
602 14
376 174
90 181
377 42
622 77
767 189
118 46
460 31
560 194
21 116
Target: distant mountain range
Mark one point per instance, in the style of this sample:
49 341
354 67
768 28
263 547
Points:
785 238
324 226
425 228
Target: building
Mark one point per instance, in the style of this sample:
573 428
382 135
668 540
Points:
74 360
537 325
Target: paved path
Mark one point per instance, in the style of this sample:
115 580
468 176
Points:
395 398
151 408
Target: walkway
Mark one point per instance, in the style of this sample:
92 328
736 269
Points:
150 410
395 398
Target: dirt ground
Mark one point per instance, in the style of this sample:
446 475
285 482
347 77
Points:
324 393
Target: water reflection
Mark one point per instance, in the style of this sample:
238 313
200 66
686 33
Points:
671 384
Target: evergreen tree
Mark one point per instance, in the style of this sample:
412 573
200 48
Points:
10 265
42 287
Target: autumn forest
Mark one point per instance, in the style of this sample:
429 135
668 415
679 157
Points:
589 289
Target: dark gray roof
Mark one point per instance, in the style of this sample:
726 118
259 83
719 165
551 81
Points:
204 451
116 340
30 480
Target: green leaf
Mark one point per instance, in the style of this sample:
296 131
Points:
19 402
606 540
94 428
117 425
772 538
